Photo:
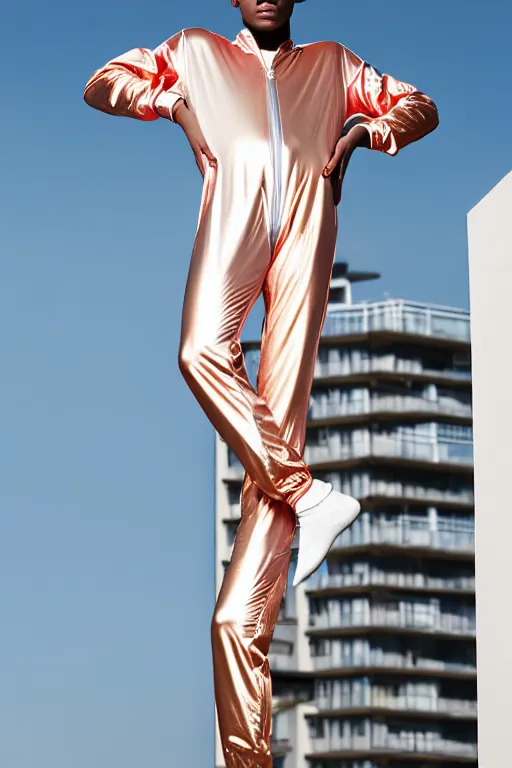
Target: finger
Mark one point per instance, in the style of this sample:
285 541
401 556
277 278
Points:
209 154
335 159
199 160
212 160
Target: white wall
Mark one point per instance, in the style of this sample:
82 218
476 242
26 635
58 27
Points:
490 259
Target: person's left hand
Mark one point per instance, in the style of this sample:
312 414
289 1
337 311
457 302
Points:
338 164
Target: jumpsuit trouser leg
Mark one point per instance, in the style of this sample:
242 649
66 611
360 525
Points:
295 285
228 270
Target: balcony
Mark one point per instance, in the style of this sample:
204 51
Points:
416 534
399 618
399 317
337 737
336 409
334 698
280 747
445 709
329 667
457 752
416 496
350 369
369 655
422 453
381 582
281 662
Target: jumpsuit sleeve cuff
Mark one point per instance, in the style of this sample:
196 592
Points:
166 102
379 133
359 119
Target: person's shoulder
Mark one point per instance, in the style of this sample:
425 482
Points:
322 45
350 57
332 50
337 53
200 33
330 45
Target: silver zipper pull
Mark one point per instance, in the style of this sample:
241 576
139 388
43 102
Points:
271 74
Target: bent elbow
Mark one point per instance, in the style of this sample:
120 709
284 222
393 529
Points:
88 98
434 114
90 92
430 113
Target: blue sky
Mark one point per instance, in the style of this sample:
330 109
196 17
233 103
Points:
106 543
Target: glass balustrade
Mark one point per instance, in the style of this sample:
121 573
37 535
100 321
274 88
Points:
384 653
414 745
366 575
353 446
338 362
443 532
429 615
337 735
398 316
335 404
342 764
408 696
363 485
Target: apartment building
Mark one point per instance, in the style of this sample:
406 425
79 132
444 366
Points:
373 658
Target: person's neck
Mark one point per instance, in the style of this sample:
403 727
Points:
270 41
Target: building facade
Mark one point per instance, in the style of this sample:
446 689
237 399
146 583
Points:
373 658
490 275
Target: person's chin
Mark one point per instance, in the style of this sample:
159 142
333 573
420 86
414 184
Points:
266 24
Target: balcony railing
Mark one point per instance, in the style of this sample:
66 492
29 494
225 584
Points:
410 531
383 446
404 703
399 316
321 408
428 616
341 764
368 657
379 578
364 485
349 364
280 746
400 744
282 662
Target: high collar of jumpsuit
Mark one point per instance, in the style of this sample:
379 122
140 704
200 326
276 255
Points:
247 42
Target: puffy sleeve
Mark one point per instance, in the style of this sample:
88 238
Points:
140 82
394 113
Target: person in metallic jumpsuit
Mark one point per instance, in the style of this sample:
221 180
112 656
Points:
272 126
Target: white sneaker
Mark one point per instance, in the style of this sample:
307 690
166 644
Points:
320 525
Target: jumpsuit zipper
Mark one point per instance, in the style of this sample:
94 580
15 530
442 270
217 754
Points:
276 154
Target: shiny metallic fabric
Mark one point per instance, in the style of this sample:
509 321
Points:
267 224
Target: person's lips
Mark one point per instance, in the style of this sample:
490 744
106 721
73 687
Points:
266 9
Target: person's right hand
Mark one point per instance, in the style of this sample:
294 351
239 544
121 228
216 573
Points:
185 118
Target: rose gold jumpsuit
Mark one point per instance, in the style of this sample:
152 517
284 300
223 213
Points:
267 223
